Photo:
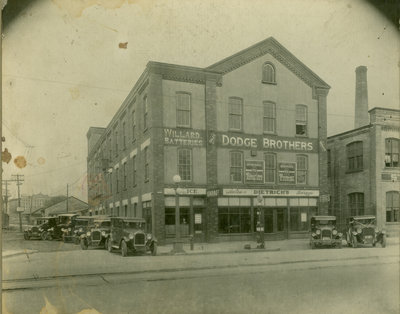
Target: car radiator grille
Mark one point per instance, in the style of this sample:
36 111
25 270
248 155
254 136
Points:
35 229
368 231
96 235
326 233
139 238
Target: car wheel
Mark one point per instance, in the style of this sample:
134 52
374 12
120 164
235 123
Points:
374 244
313 246
354 242
64 239
348 240
383 242
43 236
339 245
124 249
109 245
26 237
76 241
153 249
84 244
49 237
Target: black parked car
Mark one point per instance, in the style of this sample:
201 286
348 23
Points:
128 235
324 232
363 230
39 229
64 222
74 231
97 233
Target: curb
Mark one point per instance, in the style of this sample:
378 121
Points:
253 250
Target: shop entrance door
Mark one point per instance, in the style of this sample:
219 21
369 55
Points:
275 223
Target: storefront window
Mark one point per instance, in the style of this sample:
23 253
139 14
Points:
280 220
268 221
184 218
299 219
233 220
147 215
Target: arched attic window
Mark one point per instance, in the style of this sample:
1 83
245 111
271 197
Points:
268 73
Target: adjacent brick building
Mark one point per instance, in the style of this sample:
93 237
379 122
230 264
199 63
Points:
363 164
246 135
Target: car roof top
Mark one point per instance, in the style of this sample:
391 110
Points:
84 217
324 217
68 215
130 218
363 217
47 217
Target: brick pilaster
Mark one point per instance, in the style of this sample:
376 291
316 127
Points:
322 149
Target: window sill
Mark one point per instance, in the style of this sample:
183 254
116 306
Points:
301 135
270 133
235 130
354 171
183 127
269 83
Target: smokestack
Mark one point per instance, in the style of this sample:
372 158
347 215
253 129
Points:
361 116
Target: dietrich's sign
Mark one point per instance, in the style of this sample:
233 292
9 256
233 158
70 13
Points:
270 192
267 142
177 137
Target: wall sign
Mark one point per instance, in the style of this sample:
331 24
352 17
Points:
254 171
213 193
197 219
185 191
178 137
270 192
287 172
260 142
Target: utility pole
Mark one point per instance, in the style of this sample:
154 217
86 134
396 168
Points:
19 179
67 198
6 183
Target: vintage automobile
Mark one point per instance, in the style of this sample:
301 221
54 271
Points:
97 233
64 221
127 235
324 232
39 229
73 233
363 230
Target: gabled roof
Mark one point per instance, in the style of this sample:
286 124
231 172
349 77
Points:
273 47
74 206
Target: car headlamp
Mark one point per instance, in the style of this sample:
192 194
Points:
359 230
383 231
313 234
334 232
80 230
318 231
340 234
131 236
69 229
148 236
75 231
103 233
88 233
40 229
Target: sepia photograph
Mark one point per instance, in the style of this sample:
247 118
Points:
200 156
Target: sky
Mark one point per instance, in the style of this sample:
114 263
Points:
63 69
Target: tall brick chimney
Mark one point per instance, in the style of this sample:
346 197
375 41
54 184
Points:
361 116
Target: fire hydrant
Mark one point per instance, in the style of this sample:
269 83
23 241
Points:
191 240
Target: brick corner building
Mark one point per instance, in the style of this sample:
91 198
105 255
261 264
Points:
247 135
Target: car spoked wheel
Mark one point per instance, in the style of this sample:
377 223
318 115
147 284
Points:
84 244
109 245
383 241
26 237
76 240
348 240
124 249
153 249
354 243
339 245
43 236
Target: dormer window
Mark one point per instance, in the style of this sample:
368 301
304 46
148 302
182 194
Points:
268 73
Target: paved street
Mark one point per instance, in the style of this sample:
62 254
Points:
292 279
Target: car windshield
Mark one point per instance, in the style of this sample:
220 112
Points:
133 224
365 221
99 224
325 222
82 222
65 219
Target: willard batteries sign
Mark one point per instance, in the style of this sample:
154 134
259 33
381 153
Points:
176 137
254 171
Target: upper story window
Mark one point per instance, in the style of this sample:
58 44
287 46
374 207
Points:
110 148
117 180
356 204
185 164
183 110
123 135
235 114
302 169
146 164
355 156
270 168
236 167
133 125
268 73
116 142
125 178
301 120
269 120
392 206
134 170
145 113
392 149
